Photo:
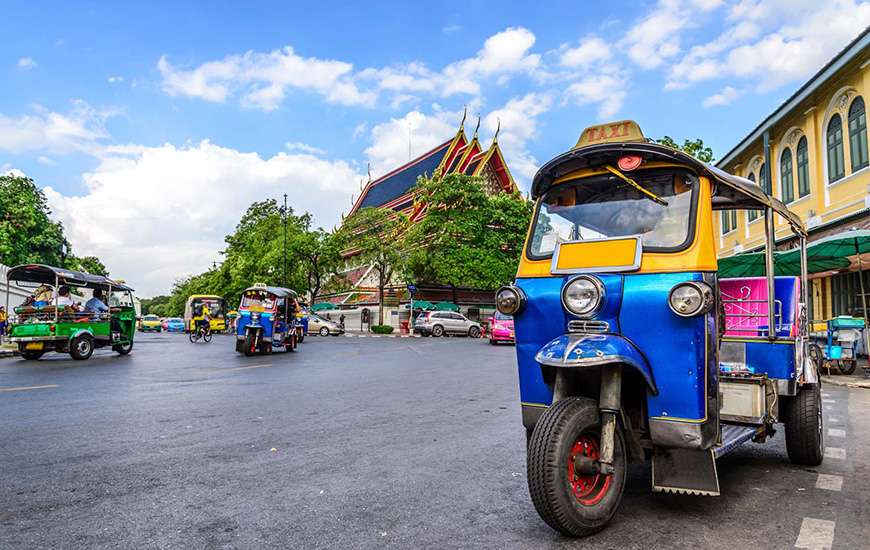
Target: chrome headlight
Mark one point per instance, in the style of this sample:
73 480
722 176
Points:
583 295
509 300
691 298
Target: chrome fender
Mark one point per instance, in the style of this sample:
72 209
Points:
595 350
79 332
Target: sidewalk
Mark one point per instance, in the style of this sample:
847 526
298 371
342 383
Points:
854 380
7 350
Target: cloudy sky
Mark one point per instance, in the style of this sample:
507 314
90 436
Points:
152 126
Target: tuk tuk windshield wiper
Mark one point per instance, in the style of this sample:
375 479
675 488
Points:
649 194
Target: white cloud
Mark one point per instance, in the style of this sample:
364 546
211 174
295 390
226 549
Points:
113 79
263 79
656 37
450 29
606 89
591 50
8 170
519 126
390 140
303 148
81 129
154 214
26 63
773 42
47 161
725 97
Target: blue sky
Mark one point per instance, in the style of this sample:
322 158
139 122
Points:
152 127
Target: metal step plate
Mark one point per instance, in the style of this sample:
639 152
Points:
732 437
685 471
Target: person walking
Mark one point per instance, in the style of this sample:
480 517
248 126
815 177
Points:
3 320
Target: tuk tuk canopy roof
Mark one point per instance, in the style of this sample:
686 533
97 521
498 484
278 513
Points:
278 291
46 274
730 192
829 253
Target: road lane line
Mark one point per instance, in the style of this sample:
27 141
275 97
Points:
836 432
833 419
815 533
835 452
250 367
829 400
829 408
829 482
26 388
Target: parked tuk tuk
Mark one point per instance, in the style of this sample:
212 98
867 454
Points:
217 310
267 320
49 321
631 348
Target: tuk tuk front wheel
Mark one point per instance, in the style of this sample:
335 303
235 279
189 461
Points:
567 437
81 347
250 344
31 355
804 430
123 349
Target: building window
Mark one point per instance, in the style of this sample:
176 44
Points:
726 222
803 168
786 176
836 164
762 180
752 215
858 134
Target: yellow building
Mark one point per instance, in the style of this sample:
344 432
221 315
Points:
812 154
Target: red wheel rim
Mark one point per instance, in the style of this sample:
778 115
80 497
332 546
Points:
587 489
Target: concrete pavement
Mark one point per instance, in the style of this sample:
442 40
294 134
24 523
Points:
356 443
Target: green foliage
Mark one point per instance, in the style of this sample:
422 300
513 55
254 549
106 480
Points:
377 234
382 329
468 237
88 264
27 234
694 147
159 305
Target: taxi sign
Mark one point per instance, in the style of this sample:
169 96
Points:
611 132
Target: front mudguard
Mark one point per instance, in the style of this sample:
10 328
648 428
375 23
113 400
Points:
595 350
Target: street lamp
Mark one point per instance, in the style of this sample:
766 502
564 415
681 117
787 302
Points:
64 250
284 219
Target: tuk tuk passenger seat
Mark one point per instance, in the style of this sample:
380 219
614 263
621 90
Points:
745 303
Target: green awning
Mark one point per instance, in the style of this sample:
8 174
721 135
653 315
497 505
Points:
424 305
823 255
446 306
320 306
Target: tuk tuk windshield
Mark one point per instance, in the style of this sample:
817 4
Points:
605 206
256 299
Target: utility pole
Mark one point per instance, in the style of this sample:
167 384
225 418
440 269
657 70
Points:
284 214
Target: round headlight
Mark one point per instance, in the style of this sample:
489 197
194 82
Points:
691 298
509 300
583 295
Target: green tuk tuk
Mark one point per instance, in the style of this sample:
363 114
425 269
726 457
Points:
53 317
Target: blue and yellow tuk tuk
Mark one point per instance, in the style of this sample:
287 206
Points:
267 320
631 348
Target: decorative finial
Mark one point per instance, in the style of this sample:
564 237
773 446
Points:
476 128
497 130
352 199
464 114
369 170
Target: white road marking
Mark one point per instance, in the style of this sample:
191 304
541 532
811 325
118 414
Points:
376 336
829 408
836 432
362 335
815 533
829 482
250 367
835 452
829 400
833 419
26 388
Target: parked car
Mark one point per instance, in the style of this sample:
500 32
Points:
323 327
501 328
175 324
439 323
150 323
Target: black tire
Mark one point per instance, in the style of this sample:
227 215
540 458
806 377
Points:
31 355
437 331
573 422
492 342
250 349
193 337
206 337
804 429
123 349
815 353
324 331
82 347
474 332
848 366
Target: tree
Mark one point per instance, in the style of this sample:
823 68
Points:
694 147
375 234
27 233
467 237
320 257
89 264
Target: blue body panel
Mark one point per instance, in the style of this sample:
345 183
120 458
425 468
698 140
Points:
774 360
636 306
245 321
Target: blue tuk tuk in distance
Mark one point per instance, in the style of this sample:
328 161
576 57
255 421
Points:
267 320
630 347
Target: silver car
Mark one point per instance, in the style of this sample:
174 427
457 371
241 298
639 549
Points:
439 323
323 327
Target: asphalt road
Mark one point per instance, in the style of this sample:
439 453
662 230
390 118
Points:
355 443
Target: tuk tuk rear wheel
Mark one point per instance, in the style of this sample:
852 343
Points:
576 505
804 429
82 347
31 355
123 349
847 366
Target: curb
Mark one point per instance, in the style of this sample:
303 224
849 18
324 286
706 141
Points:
864 384
4 353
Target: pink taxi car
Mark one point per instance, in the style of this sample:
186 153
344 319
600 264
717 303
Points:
501 328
